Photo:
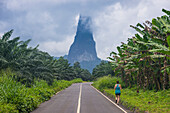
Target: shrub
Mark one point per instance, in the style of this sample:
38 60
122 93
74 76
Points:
77 80
106 82
8 108
16 97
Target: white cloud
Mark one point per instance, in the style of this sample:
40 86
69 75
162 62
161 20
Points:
1 35
51 23
77 19
111 26
3 25
57 48
39 26
28 4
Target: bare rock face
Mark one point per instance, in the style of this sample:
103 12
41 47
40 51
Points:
83 48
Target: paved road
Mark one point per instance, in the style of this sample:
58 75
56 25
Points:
67 101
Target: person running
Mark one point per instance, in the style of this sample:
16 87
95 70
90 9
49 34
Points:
117 89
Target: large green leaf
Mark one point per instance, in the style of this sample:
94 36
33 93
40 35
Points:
166 11
157 56
158 45
141 42
113 53
120 51
14 41
110 58
138 37
7 35
132 57
168 40
140 25
138 30
160 51
156 23
133 48
158 40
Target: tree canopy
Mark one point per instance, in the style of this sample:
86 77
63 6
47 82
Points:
145 59
103 69
31 63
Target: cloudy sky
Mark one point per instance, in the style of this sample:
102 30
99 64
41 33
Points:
52 23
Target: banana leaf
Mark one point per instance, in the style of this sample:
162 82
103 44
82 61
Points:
166 11
167 52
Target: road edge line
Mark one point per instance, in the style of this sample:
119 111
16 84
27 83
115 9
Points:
79 100
109 99
58 92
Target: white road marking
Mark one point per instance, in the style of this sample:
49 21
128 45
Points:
78 107
109 99
58 92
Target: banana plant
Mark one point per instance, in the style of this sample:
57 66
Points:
145 58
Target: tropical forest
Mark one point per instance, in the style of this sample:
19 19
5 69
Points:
29 76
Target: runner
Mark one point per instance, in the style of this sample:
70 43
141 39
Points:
117 89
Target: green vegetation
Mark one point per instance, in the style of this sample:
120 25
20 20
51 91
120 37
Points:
16 97
145 59
35 75
31 63
149 100
103 69
84 74
143 68
143 64
106 82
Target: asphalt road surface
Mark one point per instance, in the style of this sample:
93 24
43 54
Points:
78 98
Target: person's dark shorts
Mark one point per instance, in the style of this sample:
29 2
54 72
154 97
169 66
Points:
118 94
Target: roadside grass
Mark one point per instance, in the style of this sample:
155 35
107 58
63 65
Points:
16 97
153 102
144 101
106 82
